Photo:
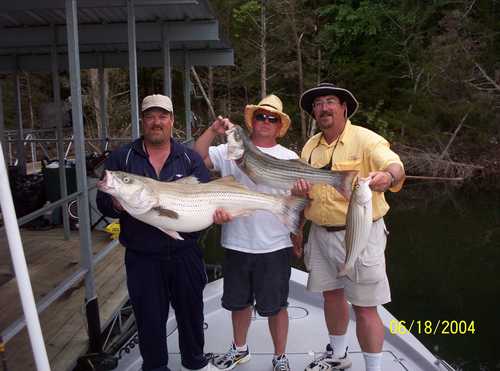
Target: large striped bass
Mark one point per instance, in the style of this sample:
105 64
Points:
188 206
281 174
358 224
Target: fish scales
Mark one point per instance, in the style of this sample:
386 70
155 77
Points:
358 225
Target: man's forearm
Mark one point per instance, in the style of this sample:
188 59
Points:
204 141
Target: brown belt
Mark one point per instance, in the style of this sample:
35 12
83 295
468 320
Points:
334 228
338 228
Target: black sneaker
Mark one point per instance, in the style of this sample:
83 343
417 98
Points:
231 358
327 362
281 363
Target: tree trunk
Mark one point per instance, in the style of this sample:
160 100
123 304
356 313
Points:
211 84
263 72
94 88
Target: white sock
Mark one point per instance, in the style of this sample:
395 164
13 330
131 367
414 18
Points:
339 345
373 361
243 348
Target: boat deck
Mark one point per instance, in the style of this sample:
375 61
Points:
307 337
50 260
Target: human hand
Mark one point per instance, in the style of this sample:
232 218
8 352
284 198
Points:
297 244
380 181
221 216
301 188
117 205
220 125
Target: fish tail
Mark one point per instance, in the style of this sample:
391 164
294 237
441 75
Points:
345 186
290 212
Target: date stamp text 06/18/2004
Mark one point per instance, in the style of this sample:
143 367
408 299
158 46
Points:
428 327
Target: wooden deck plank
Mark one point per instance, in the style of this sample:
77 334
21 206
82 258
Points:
51 259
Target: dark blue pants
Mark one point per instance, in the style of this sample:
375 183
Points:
153 283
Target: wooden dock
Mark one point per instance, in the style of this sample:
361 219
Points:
51 259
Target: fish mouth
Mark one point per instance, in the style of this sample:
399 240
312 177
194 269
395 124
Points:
103 185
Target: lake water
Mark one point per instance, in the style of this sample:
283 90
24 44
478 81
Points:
442 259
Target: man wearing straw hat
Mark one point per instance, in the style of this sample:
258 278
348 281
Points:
344 146
258 247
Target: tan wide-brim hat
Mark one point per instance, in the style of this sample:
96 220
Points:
272 104
325 88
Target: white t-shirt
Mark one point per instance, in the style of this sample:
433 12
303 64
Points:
262 231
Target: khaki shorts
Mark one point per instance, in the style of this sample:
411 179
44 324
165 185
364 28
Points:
325 253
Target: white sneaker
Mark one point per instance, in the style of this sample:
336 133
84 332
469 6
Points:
328 362
208 367
231 358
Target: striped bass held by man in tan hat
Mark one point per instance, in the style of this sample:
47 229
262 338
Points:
257 248
360 278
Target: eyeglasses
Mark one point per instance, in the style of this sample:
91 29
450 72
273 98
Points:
329 102
263 117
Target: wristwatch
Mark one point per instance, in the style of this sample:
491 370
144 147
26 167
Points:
393 179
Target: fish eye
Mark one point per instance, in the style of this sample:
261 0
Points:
126 180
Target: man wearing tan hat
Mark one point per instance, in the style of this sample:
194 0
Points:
161 270
343 146
257 247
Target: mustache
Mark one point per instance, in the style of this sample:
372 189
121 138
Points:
325 114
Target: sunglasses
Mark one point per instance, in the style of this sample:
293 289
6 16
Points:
264 117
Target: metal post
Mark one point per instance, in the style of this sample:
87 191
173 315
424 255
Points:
187 94
167 73
63 187
3 139
20 131
21 270
132 58
103 130
92 308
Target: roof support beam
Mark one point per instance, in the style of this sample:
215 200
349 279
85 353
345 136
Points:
100 34
2 126
91 306
132 66
59 4
20 131
187 94
103 103
56 91
41 63
165 48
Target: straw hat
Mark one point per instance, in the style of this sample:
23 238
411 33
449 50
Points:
272 104
325 88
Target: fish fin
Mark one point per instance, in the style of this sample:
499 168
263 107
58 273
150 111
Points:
345 187
228 181
174 234
166 212
187 180
291 210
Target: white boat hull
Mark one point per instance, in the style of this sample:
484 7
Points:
307 336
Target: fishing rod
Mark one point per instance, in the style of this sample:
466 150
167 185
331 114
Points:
421 177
